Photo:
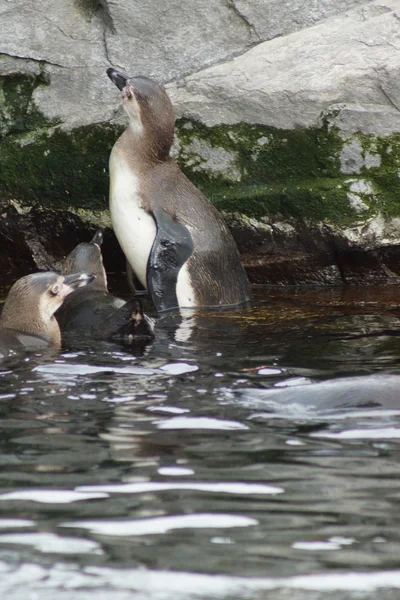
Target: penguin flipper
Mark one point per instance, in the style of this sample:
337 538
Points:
172 246
130 321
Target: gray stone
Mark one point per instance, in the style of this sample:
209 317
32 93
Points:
72 43
377 119
166 41
288 82
280 17
351 158
201 156
356 203
372 160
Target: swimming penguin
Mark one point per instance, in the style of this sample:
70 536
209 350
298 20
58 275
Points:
177 243
27 321
93 311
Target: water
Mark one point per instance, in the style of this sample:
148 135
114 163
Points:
249 454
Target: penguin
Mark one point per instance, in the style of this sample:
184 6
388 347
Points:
94 312
27 321
175 240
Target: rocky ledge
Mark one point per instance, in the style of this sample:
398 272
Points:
288 120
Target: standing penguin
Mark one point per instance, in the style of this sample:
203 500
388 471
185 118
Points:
176 242
27 321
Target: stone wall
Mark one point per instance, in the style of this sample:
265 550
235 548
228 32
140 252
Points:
288 119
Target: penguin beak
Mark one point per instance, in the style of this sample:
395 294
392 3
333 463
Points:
118 78
76 280
98 238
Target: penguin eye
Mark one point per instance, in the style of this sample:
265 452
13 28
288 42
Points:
55 289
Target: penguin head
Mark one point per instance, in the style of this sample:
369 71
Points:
34 299
87 257
150 111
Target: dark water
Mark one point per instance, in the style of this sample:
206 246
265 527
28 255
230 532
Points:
249 455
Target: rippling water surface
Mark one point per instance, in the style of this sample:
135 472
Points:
250 454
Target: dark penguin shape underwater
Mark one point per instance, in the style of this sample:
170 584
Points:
27 321
92 311
176 242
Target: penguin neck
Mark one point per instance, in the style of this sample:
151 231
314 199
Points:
24 322
144 151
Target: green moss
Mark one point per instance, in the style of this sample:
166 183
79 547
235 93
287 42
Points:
269 172
294 173
53 167
315 200
42 164
281 173
265 154
386 175
17 111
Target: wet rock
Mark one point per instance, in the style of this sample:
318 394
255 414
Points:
299 253
35 239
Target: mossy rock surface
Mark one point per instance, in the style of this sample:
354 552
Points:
58 168
304 197
317 174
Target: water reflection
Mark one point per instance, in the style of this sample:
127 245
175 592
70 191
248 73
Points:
241 454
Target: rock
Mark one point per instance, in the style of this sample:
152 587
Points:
276 18
72 43
33 239
377 119
318 254
288 82
289 121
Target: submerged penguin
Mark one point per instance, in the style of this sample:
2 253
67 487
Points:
27 321
93 311
177 243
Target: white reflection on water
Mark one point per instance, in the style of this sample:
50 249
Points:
74 369
269 371
14 523
52 496
384 433
160 525
333 543
70 369
178 368
219 487
199 423
152 584
168 409
175 471
52 543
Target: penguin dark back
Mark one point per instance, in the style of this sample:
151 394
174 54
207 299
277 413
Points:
96 313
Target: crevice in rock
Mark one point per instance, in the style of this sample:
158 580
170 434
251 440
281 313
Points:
105 44
389 99
41 61
231 4
180 80
225 59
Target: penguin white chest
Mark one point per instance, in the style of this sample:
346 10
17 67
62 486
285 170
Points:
134 227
